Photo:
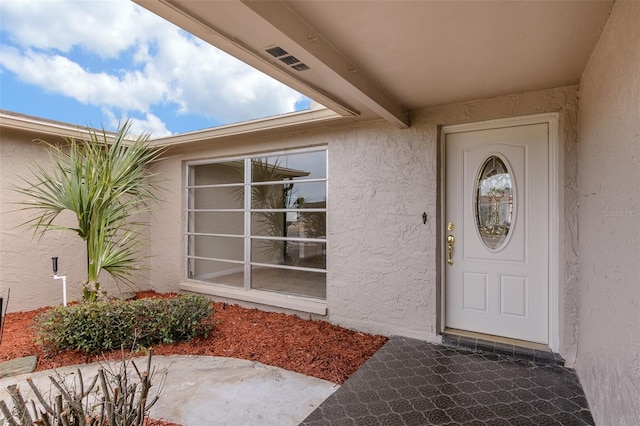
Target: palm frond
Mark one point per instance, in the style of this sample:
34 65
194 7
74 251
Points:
104 181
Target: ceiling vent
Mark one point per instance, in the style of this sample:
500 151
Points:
286 58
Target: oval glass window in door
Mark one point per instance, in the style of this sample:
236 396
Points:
494 202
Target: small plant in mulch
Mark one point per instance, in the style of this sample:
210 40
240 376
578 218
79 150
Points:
114 397
100 326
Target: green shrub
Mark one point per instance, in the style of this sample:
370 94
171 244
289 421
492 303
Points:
99 326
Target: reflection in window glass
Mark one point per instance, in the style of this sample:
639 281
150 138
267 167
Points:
291 195
285 220
303 254
226 248
207 222
217 197
271 196
214 271
308 165
288 281
218 173
300 224
268 224
494 202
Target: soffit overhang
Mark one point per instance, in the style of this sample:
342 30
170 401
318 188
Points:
381 59
247 29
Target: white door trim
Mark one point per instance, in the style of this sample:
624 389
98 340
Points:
555 192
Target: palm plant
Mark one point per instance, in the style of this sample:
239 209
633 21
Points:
105 181
271 197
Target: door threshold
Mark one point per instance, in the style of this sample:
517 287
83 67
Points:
520 349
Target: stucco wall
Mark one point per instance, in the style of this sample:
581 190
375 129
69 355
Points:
25 260
565 102
608 361
382 260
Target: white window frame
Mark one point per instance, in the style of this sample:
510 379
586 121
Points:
247 293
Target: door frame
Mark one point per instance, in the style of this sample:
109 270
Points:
555 191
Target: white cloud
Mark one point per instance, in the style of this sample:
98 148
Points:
137 61
151 124
207 81
104 27
54 73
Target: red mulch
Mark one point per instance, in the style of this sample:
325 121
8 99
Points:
313 348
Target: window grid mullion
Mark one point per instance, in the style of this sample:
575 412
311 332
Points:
189 246
207 234
248 187
288 181
299 239
247 223
217 185
292 268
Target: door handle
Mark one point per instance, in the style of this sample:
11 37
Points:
450 242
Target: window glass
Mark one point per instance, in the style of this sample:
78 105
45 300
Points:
226 248
269 224
215 271
207 222
308 165
297 283
294 195
218 173
285 221
216 197
494 202
303 254
310 225
271 196
298 224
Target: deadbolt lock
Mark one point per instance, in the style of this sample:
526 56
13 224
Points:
450 227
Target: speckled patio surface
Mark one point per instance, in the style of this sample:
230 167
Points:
411 382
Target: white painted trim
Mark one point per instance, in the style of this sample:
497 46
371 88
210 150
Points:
501 123
188 206
210 275
293 121
248 169
555 190
247 237
40 125
301 304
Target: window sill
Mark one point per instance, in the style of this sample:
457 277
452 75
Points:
296 303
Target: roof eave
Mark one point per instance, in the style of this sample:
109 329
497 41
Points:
298 121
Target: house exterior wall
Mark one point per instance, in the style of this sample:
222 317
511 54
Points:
25 259
383 262
608 361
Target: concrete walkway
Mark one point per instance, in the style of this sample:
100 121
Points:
202 390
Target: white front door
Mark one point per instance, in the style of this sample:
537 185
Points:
497 231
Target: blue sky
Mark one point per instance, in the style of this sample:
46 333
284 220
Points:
100 62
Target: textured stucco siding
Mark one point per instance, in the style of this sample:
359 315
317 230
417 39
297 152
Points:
25 259
608 361
382 263
383 268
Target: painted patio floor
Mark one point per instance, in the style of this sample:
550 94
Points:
411 382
